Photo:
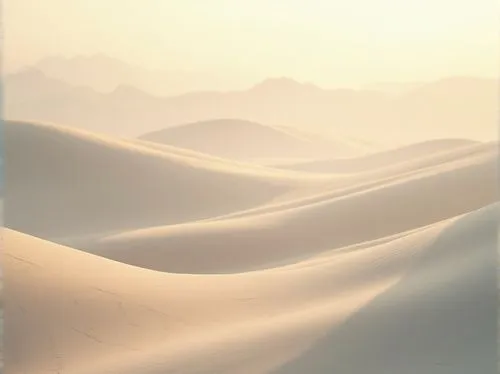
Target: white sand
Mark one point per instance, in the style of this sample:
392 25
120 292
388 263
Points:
389 270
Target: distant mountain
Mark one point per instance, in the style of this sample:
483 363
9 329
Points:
455 107
104 74
99 72
392 87
31 95
32 84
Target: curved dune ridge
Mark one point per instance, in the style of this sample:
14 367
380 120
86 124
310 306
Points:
127 256
245 140
356 182
260 239
424 302
381 159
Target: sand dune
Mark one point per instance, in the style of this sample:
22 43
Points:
381 159
421 303
133 256
263 239
68 182
235 197
351 183
238 139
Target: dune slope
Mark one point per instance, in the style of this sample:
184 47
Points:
421 303
440 318
130 256
263 239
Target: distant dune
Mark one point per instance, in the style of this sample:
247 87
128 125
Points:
381 159
327 139
245 140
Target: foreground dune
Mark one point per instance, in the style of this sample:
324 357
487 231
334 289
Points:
419 303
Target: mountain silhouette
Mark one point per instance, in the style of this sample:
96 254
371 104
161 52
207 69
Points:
432 110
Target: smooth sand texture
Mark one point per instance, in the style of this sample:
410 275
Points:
178 262
244 243
282 319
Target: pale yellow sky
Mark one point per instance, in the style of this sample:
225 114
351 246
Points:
328 42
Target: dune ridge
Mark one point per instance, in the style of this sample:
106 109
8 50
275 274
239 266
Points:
244 243
355 182
381 159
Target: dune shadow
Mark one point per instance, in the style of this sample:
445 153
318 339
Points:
441 318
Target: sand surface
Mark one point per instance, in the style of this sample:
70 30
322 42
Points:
127 256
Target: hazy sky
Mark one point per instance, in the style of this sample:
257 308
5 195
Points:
328 42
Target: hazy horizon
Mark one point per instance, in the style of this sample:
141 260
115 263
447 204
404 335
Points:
232 45
84 61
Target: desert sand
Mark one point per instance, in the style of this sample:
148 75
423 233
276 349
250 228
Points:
129 256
